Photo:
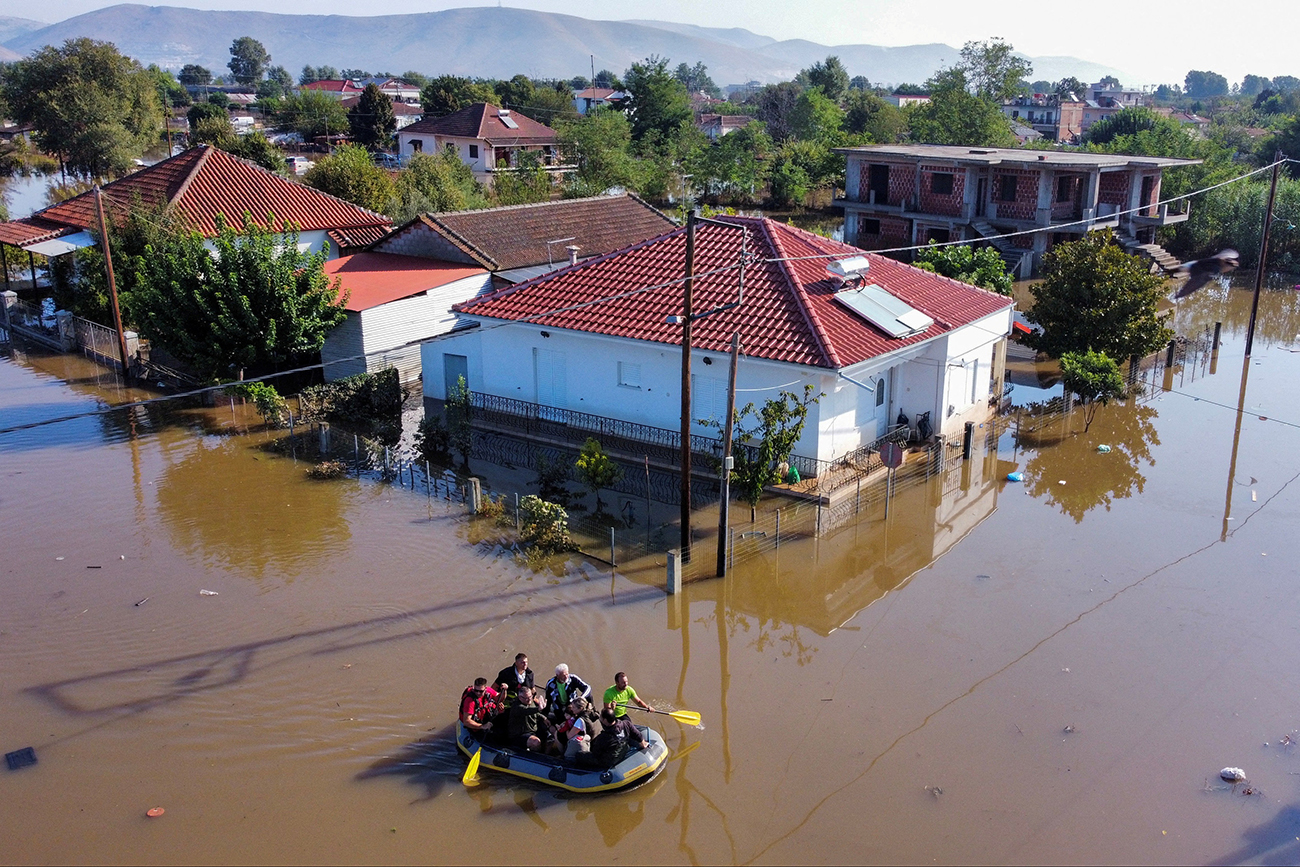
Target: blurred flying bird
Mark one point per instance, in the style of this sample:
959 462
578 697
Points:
1202 271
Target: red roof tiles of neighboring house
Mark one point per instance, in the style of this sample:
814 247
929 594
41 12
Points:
31 230
487 122
333 85
372 279
516 236
595 93
203 182
788 312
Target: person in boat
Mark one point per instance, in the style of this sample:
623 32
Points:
617 736
516 677
620 695
526 723
479 706
572 738
562 689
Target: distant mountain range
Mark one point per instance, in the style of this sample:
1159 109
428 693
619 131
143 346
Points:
491 42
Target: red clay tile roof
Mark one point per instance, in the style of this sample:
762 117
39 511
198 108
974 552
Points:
203 182
788 313
372 279
516 236
333 85
483 121
362 236
30 231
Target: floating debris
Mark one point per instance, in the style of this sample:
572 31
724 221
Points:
208 593
154 812
1232 775
20 758
1104 449
1015 477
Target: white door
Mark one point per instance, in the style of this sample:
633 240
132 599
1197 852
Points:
882 405
549 378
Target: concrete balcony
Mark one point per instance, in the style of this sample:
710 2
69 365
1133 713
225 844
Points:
1161 215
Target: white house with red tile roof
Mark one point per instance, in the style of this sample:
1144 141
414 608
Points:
393 303
596 97
593 337
200 185
335 87
487 138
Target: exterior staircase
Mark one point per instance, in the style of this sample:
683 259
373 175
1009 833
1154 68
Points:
1161 259
1016 258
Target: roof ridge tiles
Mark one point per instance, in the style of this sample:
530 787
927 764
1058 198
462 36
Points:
810 315
191 174
467 246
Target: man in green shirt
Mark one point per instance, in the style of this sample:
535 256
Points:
620 695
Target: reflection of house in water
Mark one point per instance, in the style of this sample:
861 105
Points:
858 564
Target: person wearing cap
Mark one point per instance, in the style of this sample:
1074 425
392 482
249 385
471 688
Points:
562 689
620 695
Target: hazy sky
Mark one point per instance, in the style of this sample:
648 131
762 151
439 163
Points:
1155 41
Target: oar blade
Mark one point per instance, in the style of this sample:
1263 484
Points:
690 717
471 773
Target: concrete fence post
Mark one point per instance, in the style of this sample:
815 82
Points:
8 298
674 572
67 330
475 495
324 431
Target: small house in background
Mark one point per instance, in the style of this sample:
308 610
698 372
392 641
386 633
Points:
889 338
903 100
487 138
1054 118
596 97
393 303
394 88
406 113
715 126
520 242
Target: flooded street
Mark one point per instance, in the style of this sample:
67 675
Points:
1046 672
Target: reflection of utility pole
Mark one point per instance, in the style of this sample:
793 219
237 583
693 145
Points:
1236 441
1263 253
724 507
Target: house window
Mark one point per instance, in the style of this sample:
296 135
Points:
708 399
869 227
629 374
1007 188
473 152
941 184
1063 186
417 145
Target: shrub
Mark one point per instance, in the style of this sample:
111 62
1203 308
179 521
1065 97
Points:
328 470
433 441
266 400
596 469
368 403
544 526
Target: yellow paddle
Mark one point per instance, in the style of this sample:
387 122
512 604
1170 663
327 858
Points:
690 717
471 773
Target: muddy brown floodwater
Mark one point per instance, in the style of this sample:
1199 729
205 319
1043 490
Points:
1013 673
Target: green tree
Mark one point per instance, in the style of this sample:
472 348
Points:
696 79
170 91
859 82
955 116
870 116
195 75
1200 84
372 120
308 75
597 470
983 266
993 70
254 147
248 60
94 108
763 439
1095 378
254 302
1126 121
602 141
1254 85
831 77
544 527
459 410
280 76
1070 86
816 117
605 78
448 94
658 102
433 183
774 105
1095 296
311 113
527 182
416 79
201 111
350 174
735 167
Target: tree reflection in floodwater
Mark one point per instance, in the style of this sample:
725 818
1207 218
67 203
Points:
1063 453
255 517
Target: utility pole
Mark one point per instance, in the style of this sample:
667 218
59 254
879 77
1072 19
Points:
1263 253
724 507
112 285
687 312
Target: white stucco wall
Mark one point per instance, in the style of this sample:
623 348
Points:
308 242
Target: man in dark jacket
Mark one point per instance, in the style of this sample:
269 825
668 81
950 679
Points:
527 723
617 736
515 677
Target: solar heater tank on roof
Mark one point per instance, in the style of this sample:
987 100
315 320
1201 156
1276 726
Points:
890 314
